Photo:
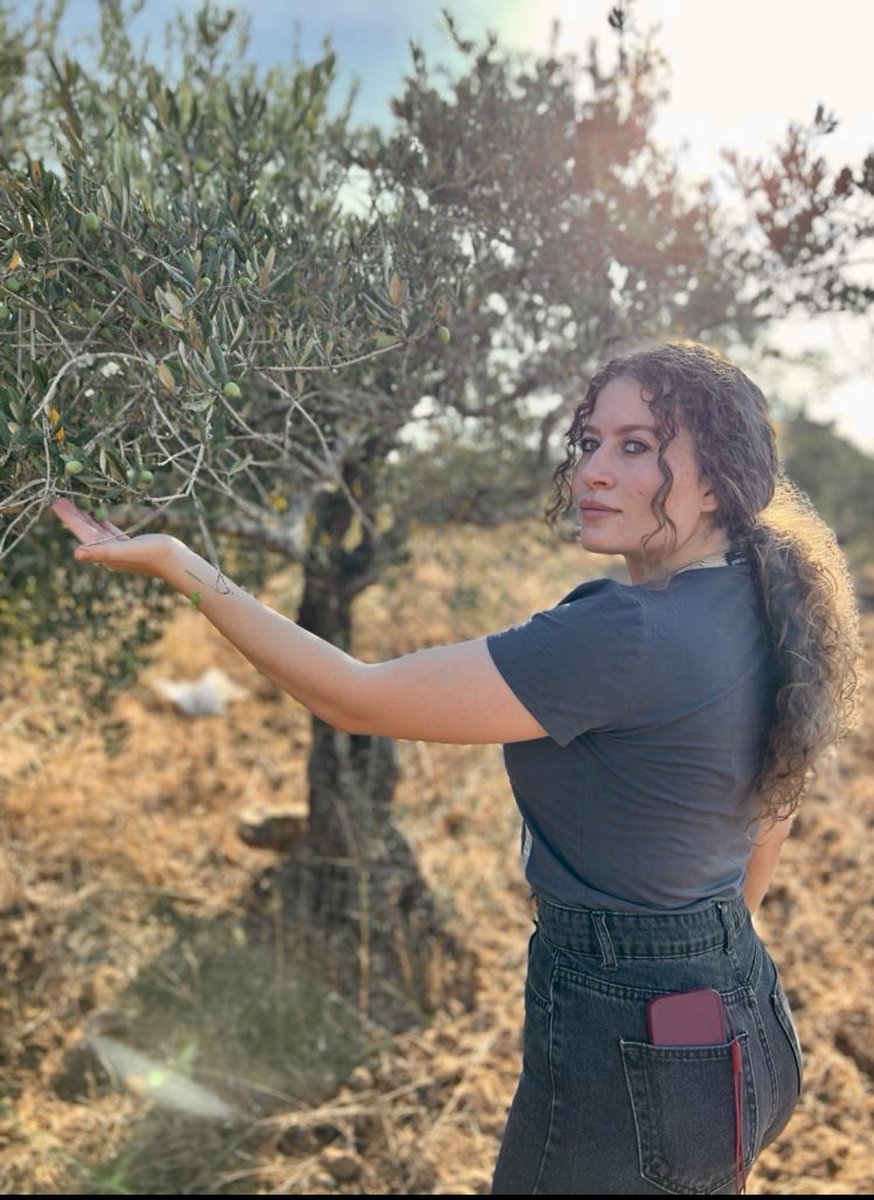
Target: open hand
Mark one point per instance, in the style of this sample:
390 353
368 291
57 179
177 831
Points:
106 544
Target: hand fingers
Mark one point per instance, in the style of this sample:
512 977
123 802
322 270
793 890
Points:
86 528
66 511
114 529
100 550
103 543
76 519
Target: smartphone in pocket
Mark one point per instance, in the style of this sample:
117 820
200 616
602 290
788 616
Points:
693 1018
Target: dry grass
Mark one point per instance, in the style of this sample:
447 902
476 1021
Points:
123 881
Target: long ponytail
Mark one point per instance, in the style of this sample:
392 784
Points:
809 604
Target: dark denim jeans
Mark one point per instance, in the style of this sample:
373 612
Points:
598 1109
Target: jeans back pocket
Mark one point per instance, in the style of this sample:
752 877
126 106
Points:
683 1101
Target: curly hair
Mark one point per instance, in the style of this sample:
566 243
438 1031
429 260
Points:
805 587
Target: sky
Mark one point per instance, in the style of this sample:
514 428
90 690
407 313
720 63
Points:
741 71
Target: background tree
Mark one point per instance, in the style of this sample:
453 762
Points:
810 227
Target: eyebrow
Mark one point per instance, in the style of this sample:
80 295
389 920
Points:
623 429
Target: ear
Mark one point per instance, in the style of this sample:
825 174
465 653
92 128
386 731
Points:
709 502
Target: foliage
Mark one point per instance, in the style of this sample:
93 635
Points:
810 227
838 477
538 186
173 242
173 286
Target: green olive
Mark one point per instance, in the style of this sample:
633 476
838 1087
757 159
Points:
232 390
74 467
92 222
443 335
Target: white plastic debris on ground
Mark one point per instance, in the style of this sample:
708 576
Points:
204 697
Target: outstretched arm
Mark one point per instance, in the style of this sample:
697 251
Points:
443 694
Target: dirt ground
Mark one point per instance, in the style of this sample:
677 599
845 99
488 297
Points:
120 854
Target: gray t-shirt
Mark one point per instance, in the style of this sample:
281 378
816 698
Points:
656 701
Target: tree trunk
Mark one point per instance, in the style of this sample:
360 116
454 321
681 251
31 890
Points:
351 892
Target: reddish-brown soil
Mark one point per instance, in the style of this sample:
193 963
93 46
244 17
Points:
111 824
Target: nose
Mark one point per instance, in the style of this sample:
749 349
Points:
593 471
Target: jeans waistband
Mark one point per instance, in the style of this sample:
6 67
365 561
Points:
641 935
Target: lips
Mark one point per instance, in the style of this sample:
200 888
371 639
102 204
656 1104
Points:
593 508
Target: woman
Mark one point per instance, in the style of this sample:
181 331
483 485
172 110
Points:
658 736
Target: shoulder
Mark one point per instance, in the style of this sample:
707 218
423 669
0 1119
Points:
695 590
593 620
708 618
574 666
600 609
602 596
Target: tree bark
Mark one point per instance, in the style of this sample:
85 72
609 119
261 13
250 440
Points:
351 893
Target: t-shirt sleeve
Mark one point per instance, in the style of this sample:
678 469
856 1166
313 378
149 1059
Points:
575 666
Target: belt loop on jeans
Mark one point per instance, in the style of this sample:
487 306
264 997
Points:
728 942
605 942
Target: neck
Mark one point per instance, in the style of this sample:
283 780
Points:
710 552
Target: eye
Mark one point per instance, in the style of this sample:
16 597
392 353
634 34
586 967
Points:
588 444
635 446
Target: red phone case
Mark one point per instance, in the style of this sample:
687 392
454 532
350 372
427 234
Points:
694 1018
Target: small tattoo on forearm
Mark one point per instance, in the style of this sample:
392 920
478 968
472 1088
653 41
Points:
221 586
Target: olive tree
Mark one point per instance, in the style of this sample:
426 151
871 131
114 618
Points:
192 327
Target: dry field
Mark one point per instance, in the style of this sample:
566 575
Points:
122 877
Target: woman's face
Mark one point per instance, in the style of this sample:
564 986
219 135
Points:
618 475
